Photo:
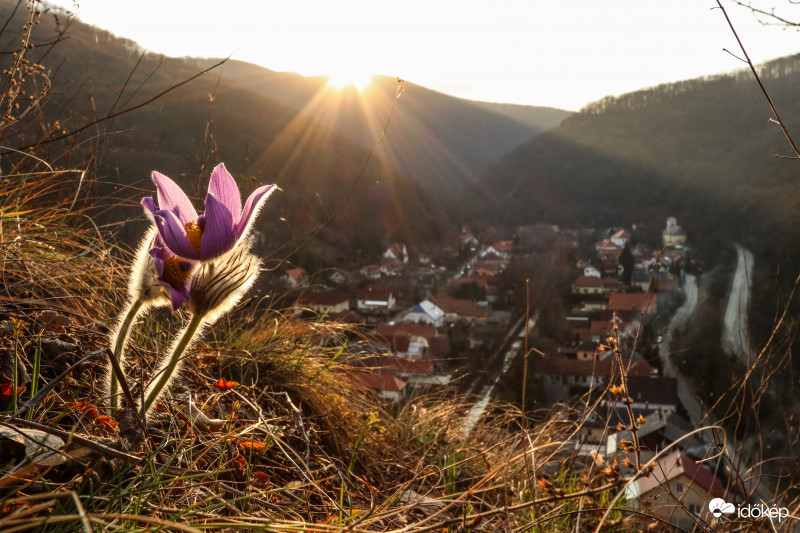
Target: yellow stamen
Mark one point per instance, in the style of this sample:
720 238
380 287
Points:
194 233
176 272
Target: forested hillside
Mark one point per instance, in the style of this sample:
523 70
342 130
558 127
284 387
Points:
442 141
701 150
97 77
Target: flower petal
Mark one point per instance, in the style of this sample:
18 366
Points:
149 204
157 253
223 186
178 298
172 198
173 234
251 208
218 233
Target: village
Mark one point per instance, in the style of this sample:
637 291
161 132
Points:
448 329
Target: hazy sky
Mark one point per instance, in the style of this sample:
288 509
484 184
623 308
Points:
560 53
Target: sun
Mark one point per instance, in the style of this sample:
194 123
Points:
350 78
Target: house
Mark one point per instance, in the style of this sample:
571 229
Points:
607 247
621 238
323 303
653 432
295 278
591 272
652 393
602 329
498 250
489 268
588 351
457 308
561 378
678 491
391 266
339 277
673 234
639 301
418 374
426 312
438 345
587 285
409 346
467 242
376 299
398 251
371 272
388 386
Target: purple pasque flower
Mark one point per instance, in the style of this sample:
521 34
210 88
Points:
210 235
172 272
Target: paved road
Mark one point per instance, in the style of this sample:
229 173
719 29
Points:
735 334
678 324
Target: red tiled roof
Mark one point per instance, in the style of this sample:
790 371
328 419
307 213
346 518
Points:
588 281
608 244
619 301
387 331
375 380
588 368
676 464
375 292
296 273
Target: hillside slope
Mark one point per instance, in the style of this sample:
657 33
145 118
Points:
701 150
441 140
212 119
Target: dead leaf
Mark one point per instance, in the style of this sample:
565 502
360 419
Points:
260 480
105 425
7 388
53 321
41 448
251 445
225 385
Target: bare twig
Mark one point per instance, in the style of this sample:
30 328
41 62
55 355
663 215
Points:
763 89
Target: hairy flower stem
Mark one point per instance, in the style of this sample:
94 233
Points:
168 370
120 339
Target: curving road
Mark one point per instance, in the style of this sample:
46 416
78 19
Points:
735 332
678 324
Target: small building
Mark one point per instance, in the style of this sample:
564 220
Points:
678 491
371 272
587 285
640 301
388 386
592 272
376 299
673 234
398 251
323 303
621 238
426 312
295 278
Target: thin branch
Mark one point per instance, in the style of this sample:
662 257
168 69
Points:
760 84
111 116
